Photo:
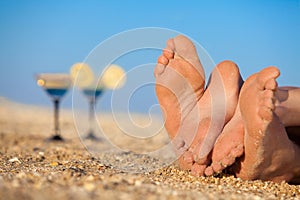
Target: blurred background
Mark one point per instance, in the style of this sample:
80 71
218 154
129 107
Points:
50 36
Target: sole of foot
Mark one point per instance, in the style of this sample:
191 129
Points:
269 153
229 145
219 103
180 82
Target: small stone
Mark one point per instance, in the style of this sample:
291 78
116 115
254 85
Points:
15 159
54 164
181 173
157 172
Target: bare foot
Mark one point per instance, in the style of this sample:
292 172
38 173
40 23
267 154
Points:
180 82
229 145
269 153
187 110
222 95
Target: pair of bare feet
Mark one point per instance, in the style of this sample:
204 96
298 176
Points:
229 123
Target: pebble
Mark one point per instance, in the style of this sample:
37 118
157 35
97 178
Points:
14 159
53 164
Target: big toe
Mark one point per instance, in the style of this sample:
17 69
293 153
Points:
159 69
184 48
198 170
266 78
186 161
170 44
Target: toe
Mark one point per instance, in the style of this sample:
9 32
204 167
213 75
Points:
228 68
265 76
198 170
217 167
228 161
199 160
268 102
268 99
265 113
238 151
170 44
186 161
184 48
169 54
188 157
268 94
209 171
163 60
271 84
183 165
159 69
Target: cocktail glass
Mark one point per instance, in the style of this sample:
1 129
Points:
56 86
84 78
92 94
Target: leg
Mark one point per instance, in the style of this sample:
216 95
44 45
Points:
288 110
269 153
287 105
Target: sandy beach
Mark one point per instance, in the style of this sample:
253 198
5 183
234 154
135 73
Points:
117 167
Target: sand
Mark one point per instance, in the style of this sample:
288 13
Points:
32 168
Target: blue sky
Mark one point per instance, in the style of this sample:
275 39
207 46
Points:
50 36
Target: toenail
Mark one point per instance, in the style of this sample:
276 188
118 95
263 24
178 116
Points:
168 53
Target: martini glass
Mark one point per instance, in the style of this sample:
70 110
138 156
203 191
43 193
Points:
56 86
84 78
92 94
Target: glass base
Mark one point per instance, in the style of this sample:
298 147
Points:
92 136
56 138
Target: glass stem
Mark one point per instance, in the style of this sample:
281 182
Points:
56 117
92 116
